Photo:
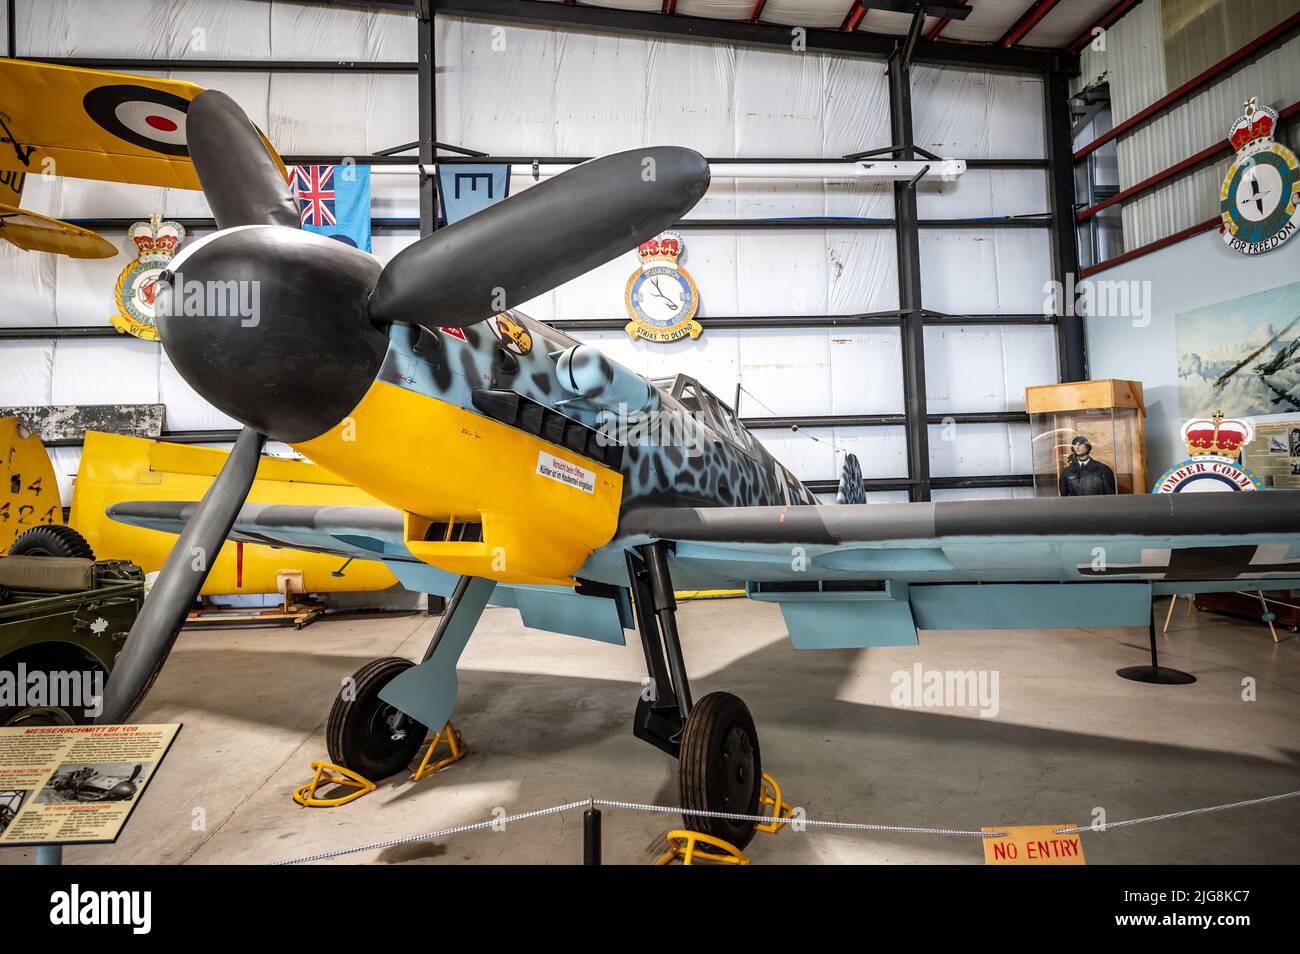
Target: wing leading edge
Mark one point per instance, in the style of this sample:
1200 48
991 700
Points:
854 575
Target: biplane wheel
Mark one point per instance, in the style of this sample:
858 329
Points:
360 734
52 540
719 768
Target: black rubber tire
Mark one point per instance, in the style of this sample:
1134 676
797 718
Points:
357 735
720 768
53 540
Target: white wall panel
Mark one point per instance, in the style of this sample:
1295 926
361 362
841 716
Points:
981 193
861 271
27 280
234 29
971 450
784 272
776 90
866 371
506 87
600 94
105 371
65 461
690 89
135 28
186 411
26 370
975 114
972 271
84 289
856 106
306 116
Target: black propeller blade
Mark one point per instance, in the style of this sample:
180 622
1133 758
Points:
178 584
539 239
244 186
241 181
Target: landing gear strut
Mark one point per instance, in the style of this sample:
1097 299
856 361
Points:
719 764
375 738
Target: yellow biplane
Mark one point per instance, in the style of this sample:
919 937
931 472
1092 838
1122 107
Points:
87 124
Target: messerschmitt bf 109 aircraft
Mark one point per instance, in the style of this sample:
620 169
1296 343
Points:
524 467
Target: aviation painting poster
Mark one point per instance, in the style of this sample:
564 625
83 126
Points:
75 784
1241 357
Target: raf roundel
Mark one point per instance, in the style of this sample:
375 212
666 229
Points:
149 118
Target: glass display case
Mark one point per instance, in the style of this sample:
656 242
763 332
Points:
1088 438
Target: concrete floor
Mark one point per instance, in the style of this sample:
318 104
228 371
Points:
548 721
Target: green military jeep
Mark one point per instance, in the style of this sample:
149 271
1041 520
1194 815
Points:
63 618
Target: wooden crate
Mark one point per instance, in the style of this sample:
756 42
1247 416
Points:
1084 396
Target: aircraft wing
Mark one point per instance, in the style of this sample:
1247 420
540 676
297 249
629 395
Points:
858 575
376 533
39 233
870 574
363 533
90 124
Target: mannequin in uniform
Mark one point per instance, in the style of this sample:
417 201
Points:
1084 476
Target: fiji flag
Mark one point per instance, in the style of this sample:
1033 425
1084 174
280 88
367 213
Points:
334 201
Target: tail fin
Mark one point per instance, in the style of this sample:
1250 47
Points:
851 490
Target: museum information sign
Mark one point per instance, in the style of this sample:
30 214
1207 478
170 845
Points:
75 784
1033 845
1274 454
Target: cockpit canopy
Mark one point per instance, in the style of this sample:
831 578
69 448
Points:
705 407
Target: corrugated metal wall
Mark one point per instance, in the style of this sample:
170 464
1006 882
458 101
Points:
1142 67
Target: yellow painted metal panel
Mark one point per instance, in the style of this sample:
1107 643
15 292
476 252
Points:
29 495
442 464
115 469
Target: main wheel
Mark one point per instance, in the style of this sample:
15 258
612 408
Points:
719 768
366 734
53 540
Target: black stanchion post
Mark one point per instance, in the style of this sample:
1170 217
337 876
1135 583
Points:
591 836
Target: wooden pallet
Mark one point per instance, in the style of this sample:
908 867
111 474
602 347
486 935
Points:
299 614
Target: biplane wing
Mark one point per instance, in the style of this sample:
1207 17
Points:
90 124
40 233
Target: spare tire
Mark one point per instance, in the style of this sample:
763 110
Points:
53 540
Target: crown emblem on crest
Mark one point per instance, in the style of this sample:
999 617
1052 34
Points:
664 247
1256 125
1215 436
156 239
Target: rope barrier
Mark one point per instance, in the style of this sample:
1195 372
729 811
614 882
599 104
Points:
1184 814
732 816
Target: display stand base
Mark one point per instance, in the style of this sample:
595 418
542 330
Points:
1155 673
1159 675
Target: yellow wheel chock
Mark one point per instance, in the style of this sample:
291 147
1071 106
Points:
327 773
683 844
769 793
456 747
